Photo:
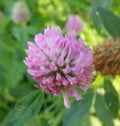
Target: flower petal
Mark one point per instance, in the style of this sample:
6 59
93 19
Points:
66 100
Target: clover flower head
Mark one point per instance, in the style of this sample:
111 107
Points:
59 64
74 23
106 57
20 12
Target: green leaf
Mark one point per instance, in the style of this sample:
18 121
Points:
78 109
58 118
102 110
7 40
19 91
4 23
83 121
19 32
111 97
2 77
87 120
31 30
25 109
110 21
98 3
13 65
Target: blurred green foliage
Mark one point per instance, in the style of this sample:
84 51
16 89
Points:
99 108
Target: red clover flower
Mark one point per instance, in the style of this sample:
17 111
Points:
59 64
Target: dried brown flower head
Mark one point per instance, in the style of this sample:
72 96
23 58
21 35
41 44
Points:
107 57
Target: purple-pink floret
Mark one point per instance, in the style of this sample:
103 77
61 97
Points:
59 64
74 23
